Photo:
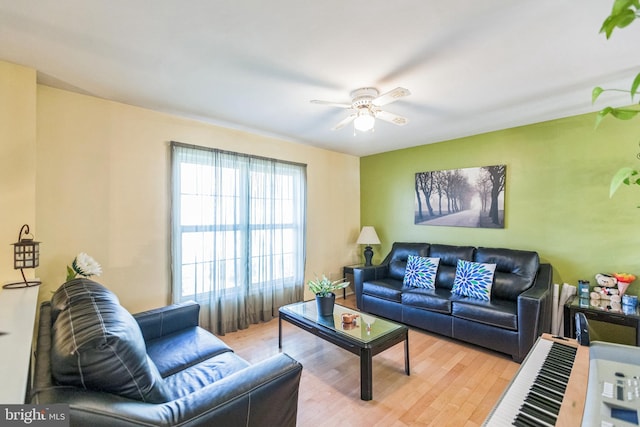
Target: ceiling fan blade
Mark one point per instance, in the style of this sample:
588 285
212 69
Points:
351 117
331 104
391 118
391 96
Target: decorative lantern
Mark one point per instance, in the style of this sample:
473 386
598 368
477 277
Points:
26 254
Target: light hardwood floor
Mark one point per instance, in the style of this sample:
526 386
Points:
451 383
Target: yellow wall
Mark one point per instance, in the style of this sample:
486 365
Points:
17 161
96 180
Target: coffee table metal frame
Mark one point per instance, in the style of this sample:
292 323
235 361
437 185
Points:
364 348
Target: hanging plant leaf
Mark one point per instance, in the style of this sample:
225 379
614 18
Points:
596 93
634 86
620 5
624 113
622 177
620 19
601 115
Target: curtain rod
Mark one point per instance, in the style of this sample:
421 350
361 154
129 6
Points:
218 150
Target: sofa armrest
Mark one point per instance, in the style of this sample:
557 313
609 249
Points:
534 310
246 398
167 320
364 274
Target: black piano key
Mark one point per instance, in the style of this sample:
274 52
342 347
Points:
549 394
551 373
521 421
538 414
557 366
542 402
525 420
560 351
560 369
562 357
547 373
549 383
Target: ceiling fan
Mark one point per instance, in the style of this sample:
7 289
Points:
366 106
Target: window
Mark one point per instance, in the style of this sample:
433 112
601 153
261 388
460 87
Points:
238 224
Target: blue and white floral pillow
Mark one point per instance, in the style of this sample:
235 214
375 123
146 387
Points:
421 272
473 279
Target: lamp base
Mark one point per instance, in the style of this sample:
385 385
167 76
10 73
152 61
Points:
19 285
368 254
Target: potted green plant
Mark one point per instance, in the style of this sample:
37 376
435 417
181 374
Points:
324 291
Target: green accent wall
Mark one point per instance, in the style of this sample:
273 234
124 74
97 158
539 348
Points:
556 202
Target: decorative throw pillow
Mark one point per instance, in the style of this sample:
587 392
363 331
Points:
421 272
473 279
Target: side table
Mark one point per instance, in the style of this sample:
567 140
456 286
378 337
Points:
604 313
347 271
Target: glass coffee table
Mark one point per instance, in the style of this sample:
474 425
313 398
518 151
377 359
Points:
368 336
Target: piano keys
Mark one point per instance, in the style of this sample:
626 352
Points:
537 395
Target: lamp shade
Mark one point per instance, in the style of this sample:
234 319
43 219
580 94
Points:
365 120
368 236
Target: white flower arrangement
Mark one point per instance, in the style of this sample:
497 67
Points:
83 265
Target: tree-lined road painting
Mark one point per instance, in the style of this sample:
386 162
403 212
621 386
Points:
471 197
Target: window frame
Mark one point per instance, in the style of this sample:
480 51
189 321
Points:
243 249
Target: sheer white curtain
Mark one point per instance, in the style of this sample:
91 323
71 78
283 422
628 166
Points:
238 234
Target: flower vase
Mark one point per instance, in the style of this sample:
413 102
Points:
622 287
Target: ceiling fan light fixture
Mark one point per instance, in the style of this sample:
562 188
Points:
365 108
365 120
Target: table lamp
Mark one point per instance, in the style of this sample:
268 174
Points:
368 237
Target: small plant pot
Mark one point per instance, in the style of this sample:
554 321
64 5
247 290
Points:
325 304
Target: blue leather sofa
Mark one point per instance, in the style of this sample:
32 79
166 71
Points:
518 312
156 368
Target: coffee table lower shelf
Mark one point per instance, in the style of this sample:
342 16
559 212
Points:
366 350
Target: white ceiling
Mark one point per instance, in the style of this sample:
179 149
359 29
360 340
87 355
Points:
472 66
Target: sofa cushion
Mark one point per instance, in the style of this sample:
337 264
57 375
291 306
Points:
389 289
184 382
515 270
473 279
431 299
397 258
421 272
449 256
500 313
98 345
174 352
